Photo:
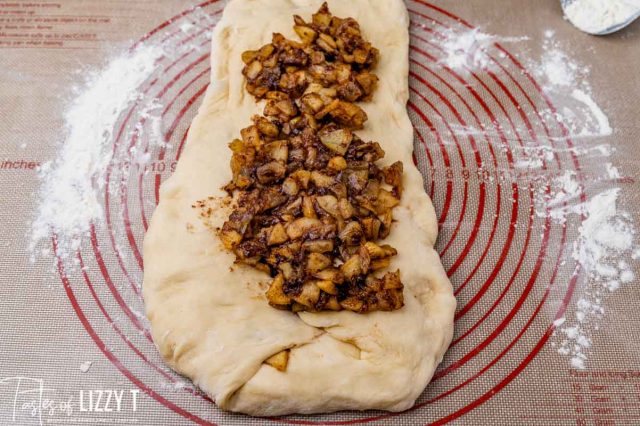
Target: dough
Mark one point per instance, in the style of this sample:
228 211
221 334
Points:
211 321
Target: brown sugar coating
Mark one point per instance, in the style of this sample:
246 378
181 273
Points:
312 202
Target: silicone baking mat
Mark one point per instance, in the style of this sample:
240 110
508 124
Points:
492 140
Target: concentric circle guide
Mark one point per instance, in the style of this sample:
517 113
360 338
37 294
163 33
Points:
506 274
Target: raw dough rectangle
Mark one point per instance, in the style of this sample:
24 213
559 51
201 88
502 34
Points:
214 325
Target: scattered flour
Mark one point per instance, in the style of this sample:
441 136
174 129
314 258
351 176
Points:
556 66
567 81
596 16
601 234
601 118
465 50
612 171
185 27
605 236
564 78
559 322
178 384
604 231
85 366
72 184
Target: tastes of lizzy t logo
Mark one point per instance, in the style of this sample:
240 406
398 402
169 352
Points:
25 400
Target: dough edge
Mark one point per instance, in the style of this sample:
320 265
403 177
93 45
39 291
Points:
338 362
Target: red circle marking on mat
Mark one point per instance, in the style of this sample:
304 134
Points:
426 150
119 135
470 406
443 151
497 268
476 153
486 249
107 193
169 21
125 193
141 176
105 274
441 143
490 114
487 110
145 224
115 326
481 200
108 354
96 248
465 195
504 291
529 127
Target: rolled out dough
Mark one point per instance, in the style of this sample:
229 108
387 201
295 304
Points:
214 325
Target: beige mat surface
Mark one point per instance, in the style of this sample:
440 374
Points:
537 200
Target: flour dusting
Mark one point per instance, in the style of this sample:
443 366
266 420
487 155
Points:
72 184
606 236
464 50
585 201
606 233
567 81
601 119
